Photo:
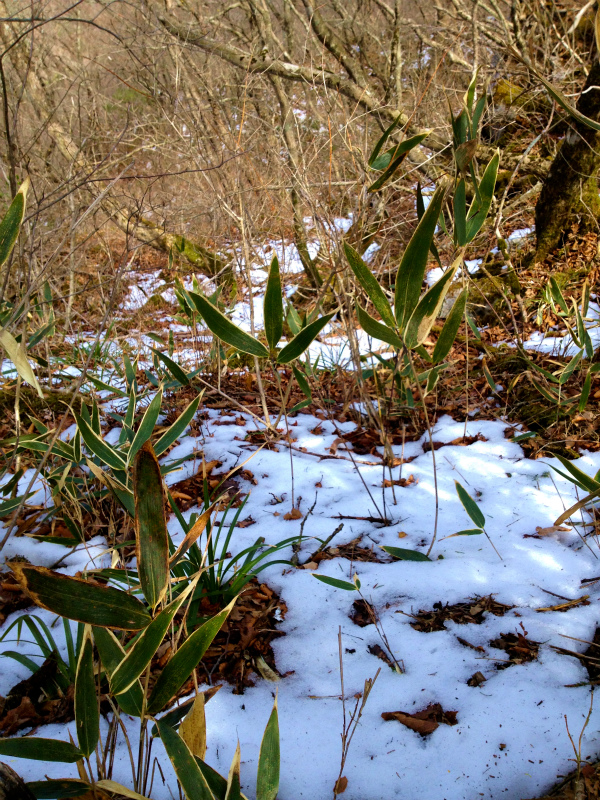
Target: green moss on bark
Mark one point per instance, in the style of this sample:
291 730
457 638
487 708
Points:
570 192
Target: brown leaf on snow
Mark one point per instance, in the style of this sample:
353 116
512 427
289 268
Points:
551 530
245 523
423 722
400 482
293 514
340 785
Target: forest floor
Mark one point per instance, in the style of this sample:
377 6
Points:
483 654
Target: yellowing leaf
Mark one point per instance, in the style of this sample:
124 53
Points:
16 353
193 728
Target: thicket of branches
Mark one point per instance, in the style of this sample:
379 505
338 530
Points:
188 126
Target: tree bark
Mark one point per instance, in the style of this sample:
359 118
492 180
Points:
570 192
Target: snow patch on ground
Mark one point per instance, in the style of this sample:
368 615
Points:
510 739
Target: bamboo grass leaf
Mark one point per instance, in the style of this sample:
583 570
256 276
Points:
80 600
411 271
273 306
225 330
370 284
152 537
303 340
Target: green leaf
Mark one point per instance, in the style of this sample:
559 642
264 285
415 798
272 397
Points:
151 535
523 437
469 532
273 306
585 392
187 770
267 779
406 555
486 192
186 659
558 296
234 791
473 326
570 368
98 447
55 790
370 284
173 368
382 140
302 340
460 213
470 505
411 271
377 329
421 321
87 715
111 655
579 478
146 425
336 583
80 600
225 330
302 381
143 651
451 325
178 427
11 223
394 157
545 392
217 783
38 749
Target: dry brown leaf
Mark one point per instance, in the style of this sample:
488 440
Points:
551 530
422 726
295 513
340 785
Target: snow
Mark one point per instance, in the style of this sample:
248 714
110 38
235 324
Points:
563 345
510 739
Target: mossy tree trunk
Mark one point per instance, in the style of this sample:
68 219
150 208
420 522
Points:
570 192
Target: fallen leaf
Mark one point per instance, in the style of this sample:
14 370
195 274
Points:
340 785
422 726
295 513
551 530
423 722
400 482
402 535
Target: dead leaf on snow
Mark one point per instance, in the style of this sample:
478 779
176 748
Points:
423 722
340 785
295 513
551 530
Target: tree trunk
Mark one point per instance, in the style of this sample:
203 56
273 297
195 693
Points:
570 192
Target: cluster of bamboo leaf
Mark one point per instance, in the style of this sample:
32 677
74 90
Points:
126 632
